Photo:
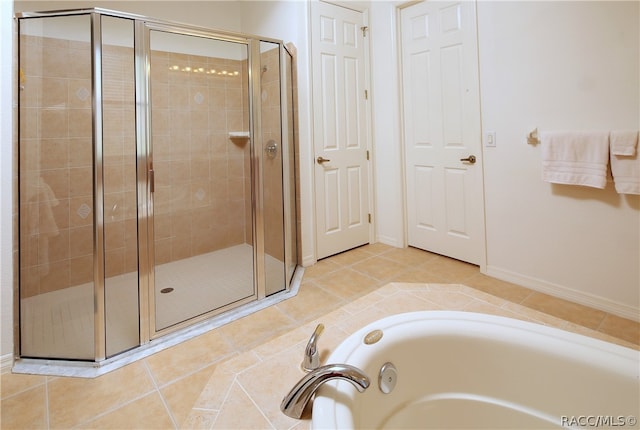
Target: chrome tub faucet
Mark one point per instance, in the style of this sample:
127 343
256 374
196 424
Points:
294 403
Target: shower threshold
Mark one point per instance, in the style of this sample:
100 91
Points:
174 307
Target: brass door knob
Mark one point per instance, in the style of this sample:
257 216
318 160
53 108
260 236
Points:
321 160
470 159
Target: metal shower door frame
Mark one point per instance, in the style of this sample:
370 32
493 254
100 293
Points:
148 330
142 27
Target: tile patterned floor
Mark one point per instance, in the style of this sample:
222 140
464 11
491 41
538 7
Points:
225 378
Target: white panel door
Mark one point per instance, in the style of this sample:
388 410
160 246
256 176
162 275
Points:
442 127
340 129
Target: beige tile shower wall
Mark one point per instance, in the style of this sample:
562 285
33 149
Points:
203 179
201 195
119 165
271 130
55 164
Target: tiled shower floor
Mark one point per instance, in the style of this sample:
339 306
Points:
236 375
62 321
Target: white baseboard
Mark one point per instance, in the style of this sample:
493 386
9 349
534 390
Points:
308 260
6 363
586 299
391 241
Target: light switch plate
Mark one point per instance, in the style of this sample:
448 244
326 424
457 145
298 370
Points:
490 139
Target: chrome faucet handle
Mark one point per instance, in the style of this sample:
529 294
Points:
298 398
311 359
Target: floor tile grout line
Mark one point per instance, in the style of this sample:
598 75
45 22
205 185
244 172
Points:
317 285
385 279
286 314
24 390
255 404
46 404
379 282
341 299
284 349
195 408
114 408
221 360
216 410
159 391
224 400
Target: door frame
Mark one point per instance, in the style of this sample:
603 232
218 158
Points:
368 118
403 152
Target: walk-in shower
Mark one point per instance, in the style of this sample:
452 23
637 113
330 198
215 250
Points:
156 179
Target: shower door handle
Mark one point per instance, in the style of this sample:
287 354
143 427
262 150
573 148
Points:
152 180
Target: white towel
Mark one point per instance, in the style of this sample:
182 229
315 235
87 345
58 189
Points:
626 173
40 219
575 158
624 142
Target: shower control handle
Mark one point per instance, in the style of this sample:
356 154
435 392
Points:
271 149
322 160
311 359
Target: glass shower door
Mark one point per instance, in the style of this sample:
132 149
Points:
57 223
78 201
119 183
273 188
155 176
202 194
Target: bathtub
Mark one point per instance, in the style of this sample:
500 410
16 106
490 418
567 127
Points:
470 370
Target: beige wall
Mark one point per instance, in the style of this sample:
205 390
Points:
550 65
559 66
8 177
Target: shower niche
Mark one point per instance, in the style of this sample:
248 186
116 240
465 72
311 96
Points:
156 179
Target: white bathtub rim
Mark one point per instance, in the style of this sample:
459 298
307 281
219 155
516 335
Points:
441 323
537 336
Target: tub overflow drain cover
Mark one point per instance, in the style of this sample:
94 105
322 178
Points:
387 378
